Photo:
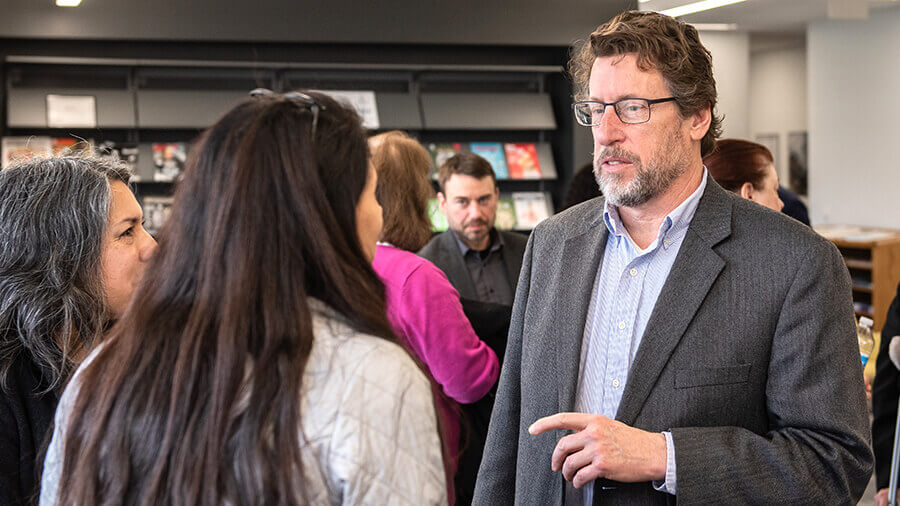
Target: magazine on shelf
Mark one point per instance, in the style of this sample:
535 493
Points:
493 153
20 149
531 208
522 160
156 211
506 213
440 153
438 220
168 160
124 151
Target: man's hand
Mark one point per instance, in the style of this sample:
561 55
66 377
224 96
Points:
603 448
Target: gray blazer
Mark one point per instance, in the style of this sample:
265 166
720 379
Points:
749 358
443 251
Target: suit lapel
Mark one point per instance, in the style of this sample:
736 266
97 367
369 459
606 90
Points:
583 254
458 273
695 270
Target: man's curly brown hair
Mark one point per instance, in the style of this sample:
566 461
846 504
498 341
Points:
661 43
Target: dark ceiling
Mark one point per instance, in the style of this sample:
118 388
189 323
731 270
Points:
486 22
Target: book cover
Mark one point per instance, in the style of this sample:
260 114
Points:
438 220
124 151
156 211
531 209
522 160
493 153
506 213
20 149
168 159
440 153
64 146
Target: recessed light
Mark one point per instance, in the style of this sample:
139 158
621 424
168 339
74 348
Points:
68 3
697 7
715 27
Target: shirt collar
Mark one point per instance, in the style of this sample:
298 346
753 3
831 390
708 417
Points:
675 222
496 242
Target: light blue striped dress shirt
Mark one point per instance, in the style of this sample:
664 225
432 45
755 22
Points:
625 291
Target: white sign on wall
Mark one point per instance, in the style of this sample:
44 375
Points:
362 101
71 111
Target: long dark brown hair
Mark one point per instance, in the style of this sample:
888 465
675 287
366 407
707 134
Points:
264 218
403 189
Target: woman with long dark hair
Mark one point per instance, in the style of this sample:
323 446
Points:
422 305
259 366
73 249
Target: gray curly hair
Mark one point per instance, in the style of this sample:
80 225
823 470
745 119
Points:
53 214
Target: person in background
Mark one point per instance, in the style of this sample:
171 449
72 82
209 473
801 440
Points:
672 342
481 262
582 188
747 169
260 367
423 307
793 205
885 392
73 252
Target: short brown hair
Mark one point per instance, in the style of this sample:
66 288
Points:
465 164
403 189
661 43
735 162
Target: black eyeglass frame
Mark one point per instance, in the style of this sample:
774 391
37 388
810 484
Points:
615 106
313 105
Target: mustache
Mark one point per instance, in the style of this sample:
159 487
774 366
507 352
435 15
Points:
477 221
615 152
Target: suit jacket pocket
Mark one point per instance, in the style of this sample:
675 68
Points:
707 376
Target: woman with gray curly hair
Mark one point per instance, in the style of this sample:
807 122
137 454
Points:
72 249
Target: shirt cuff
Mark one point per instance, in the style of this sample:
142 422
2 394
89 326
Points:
668 486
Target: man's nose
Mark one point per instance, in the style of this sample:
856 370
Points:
610 130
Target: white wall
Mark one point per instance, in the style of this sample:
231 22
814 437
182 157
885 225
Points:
778 98
731 68
854 120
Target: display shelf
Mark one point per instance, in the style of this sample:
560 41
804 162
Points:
872 257
145 102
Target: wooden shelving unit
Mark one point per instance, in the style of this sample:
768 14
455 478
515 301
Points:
872 257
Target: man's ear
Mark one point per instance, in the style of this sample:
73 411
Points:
700 122
747 191
442 202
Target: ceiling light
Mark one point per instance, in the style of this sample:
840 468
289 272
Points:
715 27
697 7
68 3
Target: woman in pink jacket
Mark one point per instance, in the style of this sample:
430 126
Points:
423 307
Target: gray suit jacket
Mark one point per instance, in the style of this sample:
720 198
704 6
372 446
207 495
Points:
749 358
443 251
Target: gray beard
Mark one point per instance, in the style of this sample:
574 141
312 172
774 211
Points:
646 184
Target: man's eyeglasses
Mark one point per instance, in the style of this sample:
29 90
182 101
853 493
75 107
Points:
629 110
310 102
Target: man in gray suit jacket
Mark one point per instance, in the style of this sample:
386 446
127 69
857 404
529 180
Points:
673 340
481 262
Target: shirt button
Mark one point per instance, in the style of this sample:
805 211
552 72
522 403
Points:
616 383
667 241
633 272
621 325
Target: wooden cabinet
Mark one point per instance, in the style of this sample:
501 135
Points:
873 260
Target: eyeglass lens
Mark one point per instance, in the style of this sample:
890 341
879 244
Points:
629 111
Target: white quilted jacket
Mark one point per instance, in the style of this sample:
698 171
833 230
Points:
368 424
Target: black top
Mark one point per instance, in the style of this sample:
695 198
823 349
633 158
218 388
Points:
793 206
25 421
885 394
